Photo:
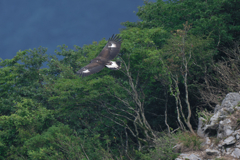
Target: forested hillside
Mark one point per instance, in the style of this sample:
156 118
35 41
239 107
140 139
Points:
178 62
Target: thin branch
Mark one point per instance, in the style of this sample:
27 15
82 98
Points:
84 151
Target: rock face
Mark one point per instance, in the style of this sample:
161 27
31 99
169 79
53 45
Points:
188 156
224 127
220 122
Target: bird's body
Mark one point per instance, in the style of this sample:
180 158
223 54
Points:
109 52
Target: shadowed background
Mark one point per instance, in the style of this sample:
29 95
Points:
28 24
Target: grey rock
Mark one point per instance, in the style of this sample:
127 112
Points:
220 145
220 124
238 108
231 100
213 121
223 114
222 150
237 134
230 110
228 151
238 146
236 153
212 152
228 141
224 129
200 130
207 141
188 156
217 108
211 146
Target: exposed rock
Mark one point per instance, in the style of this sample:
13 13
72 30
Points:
191 156
225 129
223 113
237 108
213 121
236 153
207 141
237 134
228 141
238 146
228 151
217 108
231 100
212 152
201 130
223 126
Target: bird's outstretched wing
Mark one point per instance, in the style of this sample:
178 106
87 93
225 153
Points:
89 69
112 48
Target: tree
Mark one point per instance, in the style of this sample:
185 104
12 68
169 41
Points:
217 19
183 55
28 120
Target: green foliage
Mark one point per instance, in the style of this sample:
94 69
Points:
190 141
29 120
51 113
196 49
60 142
20 80
163 149
215 18
204 114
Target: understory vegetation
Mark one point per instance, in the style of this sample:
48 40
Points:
178 62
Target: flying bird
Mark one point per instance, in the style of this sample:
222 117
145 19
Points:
109 52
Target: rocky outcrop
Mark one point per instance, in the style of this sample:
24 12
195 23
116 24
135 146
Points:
221 132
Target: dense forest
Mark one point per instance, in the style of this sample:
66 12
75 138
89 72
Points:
178 62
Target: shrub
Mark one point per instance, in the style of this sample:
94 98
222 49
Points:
163 149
